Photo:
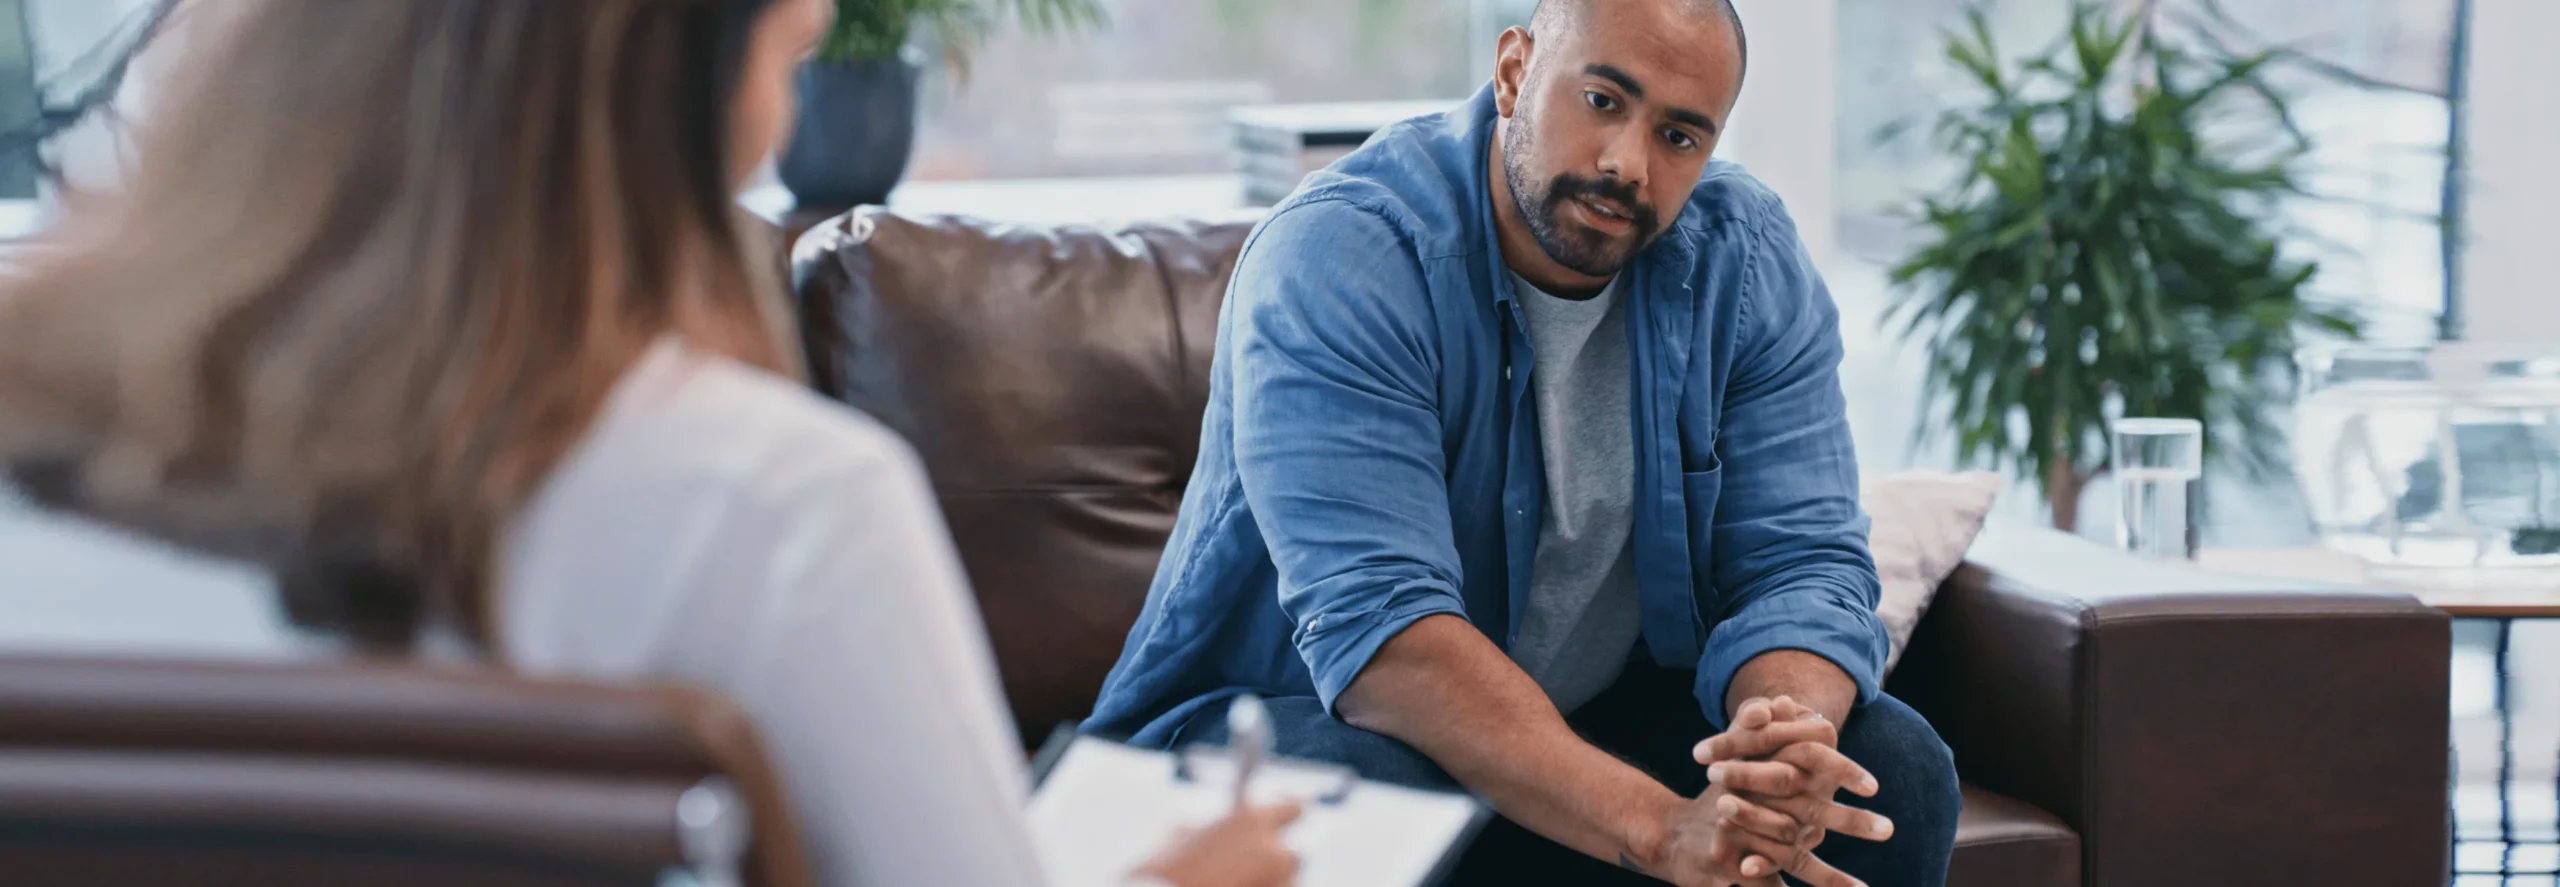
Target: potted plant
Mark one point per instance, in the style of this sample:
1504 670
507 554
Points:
2111 246
858 94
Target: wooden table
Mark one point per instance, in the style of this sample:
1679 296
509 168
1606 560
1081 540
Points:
2482 594
2502 596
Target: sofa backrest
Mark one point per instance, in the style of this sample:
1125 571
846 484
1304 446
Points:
1053 380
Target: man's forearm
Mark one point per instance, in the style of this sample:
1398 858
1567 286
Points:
1443 688
1809 679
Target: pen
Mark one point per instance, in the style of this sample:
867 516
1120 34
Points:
1249 739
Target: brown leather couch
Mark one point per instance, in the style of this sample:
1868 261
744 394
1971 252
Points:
2117 723
133 772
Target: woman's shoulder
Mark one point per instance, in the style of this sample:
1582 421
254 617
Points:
700 477
686 414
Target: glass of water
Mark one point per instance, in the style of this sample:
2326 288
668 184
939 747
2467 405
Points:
2157 464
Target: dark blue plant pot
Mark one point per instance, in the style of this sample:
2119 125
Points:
857 131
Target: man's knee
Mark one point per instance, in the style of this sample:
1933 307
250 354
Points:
1916 769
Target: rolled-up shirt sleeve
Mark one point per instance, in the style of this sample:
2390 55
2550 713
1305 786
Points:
1338 435
1790 563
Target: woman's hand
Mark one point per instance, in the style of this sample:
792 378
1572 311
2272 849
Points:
1243 850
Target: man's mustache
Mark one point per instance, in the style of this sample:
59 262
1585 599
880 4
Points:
1619 196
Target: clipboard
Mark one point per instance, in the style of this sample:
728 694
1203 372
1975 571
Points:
1099 809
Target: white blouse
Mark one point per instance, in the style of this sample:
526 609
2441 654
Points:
726 528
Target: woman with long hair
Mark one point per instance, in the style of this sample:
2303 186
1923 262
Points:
443 311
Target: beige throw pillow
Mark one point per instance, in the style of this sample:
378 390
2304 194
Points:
1924 522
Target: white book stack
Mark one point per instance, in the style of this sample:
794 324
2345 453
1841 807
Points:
1278 146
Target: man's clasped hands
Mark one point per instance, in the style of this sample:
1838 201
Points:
1773 777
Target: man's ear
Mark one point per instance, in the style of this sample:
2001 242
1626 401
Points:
1511 69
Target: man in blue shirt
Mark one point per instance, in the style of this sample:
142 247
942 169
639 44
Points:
1526 467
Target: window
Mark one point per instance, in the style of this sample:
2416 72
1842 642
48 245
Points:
2377 115
56 55
1149 94
17 100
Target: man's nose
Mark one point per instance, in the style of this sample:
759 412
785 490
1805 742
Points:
1623 156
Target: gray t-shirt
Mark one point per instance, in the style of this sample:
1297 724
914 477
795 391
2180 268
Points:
1583 617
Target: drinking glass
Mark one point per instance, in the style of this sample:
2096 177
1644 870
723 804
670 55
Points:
2157 465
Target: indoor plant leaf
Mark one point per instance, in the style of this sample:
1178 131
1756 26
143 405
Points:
2113 244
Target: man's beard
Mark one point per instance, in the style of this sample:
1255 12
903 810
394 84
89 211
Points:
1588 252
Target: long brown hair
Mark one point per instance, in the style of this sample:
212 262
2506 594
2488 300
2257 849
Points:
375 270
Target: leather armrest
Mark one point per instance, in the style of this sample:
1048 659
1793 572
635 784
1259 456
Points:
2195 728
626 823
362 736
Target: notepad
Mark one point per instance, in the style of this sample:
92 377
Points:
1102 809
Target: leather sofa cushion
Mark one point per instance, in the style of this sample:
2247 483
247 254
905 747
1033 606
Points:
1053 381
2004 842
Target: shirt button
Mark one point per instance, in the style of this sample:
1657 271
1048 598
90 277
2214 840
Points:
1506 374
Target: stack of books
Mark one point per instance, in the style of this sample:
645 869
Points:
1278 146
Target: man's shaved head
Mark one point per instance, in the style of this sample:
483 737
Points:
1609 112
1554 14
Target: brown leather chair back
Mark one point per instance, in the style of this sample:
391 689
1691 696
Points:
1053 379
127 772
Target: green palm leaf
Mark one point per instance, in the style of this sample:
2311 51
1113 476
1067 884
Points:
2101 255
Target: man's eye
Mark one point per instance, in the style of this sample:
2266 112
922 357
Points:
1599 101
1678 139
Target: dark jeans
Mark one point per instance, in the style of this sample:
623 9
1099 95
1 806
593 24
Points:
1650 719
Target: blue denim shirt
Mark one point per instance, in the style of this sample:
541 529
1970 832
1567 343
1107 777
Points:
1370 455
